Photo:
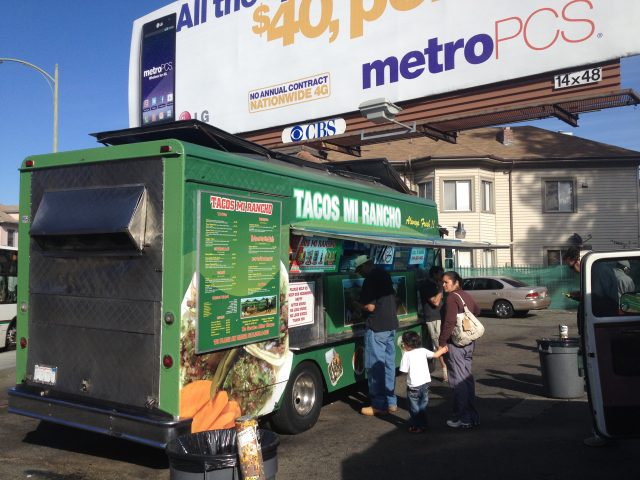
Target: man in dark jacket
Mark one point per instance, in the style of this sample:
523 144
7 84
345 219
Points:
431 296
379 304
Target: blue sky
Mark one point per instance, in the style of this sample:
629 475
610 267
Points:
90 42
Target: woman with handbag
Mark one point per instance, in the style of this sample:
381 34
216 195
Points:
459 359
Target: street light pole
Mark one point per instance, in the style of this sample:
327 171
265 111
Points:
55 108
53 84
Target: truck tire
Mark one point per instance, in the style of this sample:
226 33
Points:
503 309
302 400
10 341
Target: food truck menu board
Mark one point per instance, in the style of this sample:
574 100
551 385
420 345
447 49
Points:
238 270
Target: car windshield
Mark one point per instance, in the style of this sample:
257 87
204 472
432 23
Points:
514 283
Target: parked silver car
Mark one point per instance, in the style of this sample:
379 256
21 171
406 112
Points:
506 296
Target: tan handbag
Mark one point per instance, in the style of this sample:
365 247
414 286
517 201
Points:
468 328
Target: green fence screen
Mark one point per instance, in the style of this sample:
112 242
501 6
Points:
557 279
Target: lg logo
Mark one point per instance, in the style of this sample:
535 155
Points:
204 116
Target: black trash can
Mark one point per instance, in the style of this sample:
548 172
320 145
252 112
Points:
561 367
213 455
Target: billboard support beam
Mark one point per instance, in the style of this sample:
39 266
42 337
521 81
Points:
347 150
435 134
406 129
567 117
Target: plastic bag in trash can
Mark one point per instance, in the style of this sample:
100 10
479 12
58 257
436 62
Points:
547 344
214 450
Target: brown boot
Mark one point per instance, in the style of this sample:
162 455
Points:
371 412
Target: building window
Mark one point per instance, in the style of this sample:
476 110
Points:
11 238
449 259
425 189
457 195
464 258
556 256
488 258
487 196
457 258
559 196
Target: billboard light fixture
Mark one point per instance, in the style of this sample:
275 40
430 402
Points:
380 111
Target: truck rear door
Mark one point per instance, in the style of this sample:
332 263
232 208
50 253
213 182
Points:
610 325
96 281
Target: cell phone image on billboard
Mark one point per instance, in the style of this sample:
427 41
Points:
157 72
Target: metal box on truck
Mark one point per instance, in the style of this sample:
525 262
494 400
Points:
167 286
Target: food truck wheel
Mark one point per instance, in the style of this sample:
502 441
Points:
302 400
503 309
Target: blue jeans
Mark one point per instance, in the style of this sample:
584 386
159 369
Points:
380 362
418 398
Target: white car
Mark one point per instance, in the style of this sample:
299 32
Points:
506 296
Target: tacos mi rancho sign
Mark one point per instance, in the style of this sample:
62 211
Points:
331 208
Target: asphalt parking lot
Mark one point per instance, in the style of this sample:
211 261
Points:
523 434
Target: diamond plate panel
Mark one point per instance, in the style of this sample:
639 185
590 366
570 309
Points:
98 318
98 313
138 278
83 355
241 178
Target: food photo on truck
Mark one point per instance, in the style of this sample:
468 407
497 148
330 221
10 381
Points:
183 277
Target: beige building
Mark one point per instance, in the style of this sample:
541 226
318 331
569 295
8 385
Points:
535 190
9 225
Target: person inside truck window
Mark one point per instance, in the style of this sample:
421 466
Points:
622 272
604 289
604 284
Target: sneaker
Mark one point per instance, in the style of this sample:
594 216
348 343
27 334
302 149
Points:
414 429
458 424
595 441
392 408
371 412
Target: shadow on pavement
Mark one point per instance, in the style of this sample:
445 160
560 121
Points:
73 440
46 475
530 384
529 348
545 445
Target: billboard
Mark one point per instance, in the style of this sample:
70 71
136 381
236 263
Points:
245 65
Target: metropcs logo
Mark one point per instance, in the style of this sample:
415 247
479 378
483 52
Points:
165 67
540 30
310 131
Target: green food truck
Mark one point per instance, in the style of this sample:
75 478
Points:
181 277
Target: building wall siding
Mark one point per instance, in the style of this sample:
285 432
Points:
606 208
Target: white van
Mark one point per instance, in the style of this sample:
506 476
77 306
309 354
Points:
8 295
